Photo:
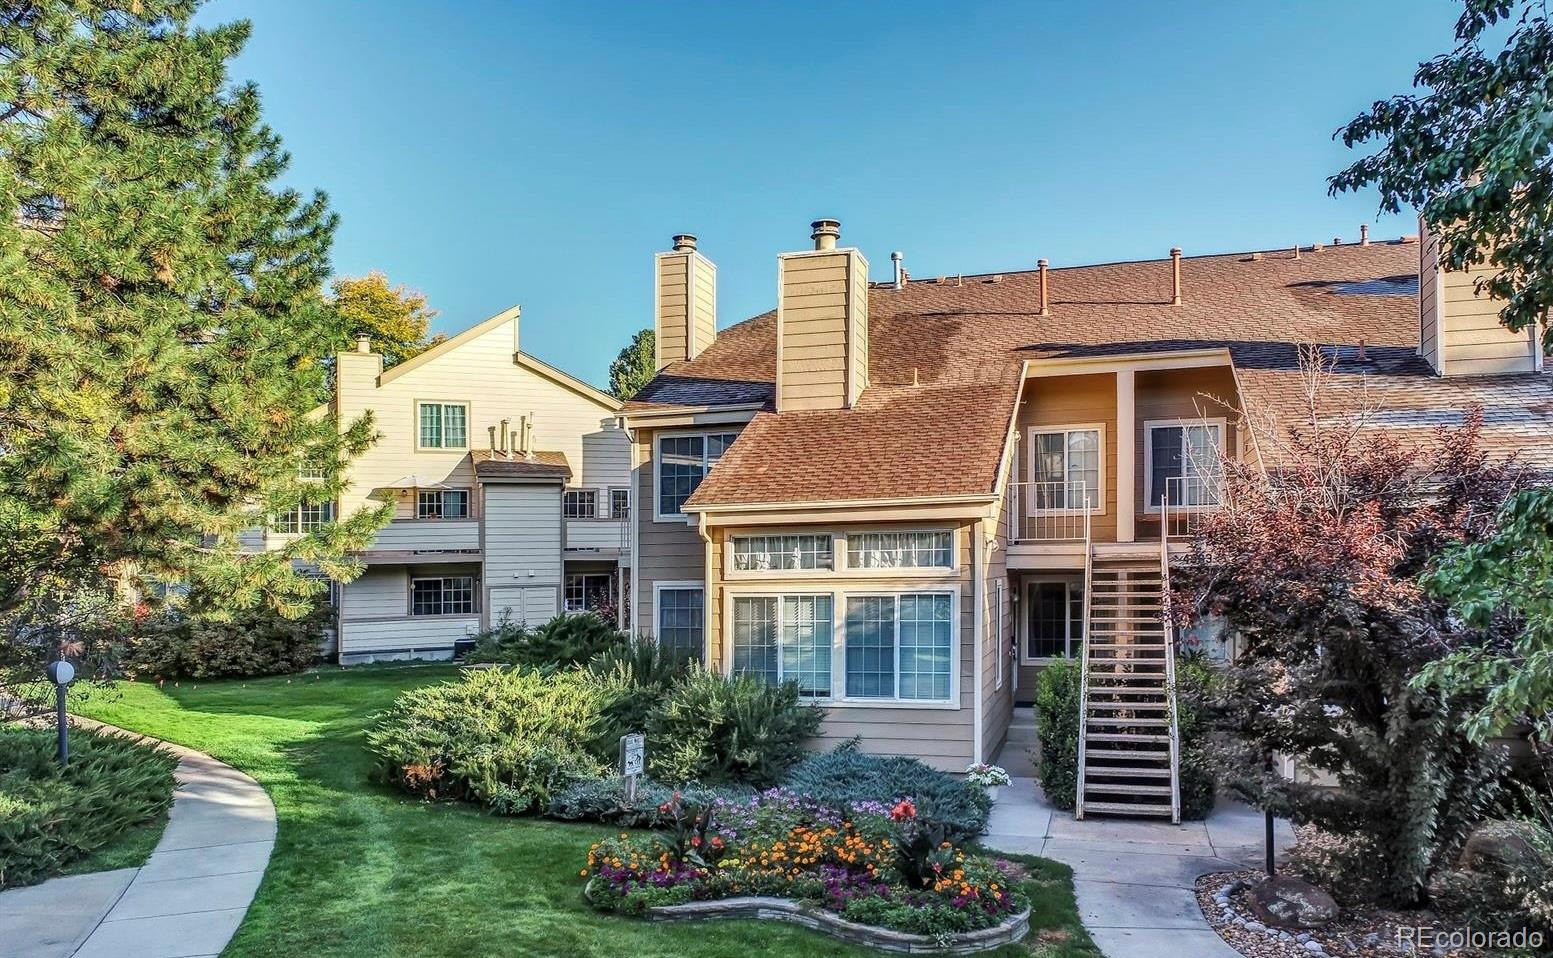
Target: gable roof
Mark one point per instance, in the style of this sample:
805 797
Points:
964 340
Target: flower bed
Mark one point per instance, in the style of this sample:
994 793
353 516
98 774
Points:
870 865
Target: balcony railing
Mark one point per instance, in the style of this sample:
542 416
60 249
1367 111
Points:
428 535
1185 501
1050 511
599 534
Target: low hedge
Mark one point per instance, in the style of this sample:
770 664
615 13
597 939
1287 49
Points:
1058 694
716 728
254 642
566 640
52 816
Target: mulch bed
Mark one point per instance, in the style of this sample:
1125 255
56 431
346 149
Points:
1363 931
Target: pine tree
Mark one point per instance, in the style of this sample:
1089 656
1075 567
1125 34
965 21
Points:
161 315
634 367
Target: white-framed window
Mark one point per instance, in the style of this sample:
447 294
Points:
307 517
620 503
679 608
900 647
1067 467
588 590
580 504
680 462
443 425
1054 620
1181 460
785 638
783 553
442 504
313 467
442 595
929 549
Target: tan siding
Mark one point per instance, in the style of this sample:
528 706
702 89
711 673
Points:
857 293
1428 306
669 324
1074 401
1191 394
823 308
704 304
1474 342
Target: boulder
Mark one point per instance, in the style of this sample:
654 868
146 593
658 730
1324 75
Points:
1284 902
1504 848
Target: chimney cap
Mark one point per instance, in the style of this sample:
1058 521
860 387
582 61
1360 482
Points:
684 242
1175 251
897 256
825 232
363 343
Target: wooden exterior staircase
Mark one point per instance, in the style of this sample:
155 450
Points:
1129 745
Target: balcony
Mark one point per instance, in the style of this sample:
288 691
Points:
1050 512
1185 501
405 540
608 538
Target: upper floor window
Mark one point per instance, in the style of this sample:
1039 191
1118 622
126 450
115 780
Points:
682 462
1181 460
620 503
1065 468
442 504
444 425
782 553
442 595
932 549
580 504
305 518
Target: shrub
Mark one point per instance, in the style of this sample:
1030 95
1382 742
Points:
1344 865
604 800
564 641
714 728
254 642
1058 694
52 816
640 672
844 777
509 738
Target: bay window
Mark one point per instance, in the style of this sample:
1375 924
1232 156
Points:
785 639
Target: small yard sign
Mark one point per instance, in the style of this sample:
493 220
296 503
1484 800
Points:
633 750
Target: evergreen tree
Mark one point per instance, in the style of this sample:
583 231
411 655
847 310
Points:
160 319
396 317
634 367
1474 153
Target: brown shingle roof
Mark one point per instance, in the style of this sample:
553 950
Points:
965 339
542 465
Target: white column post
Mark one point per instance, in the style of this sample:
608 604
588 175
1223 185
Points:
1126 459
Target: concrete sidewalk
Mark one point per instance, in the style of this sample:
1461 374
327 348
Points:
1135 879
185 902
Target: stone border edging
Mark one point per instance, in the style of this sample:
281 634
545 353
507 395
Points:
765 908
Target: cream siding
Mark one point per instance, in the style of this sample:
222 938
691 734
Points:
375 620
1472 342
703 303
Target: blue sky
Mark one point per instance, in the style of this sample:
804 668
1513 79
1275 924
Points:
498 153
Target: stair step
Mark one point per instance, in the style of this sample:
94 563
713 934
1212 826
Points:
1128 646
1125 737
1131 754
1139 771
1089 786
1116 720
1126 808
1152 706
1132 660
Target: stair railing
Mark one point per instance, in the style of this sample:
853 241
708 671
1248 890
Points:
1170 661
1083 681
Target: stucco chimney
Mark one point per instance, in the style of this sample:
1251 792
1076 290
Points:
1046 309
684 301
822 324
1175 276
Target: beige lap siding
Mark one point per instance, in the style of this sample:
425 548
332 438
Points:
1073 401
1193 395
938 734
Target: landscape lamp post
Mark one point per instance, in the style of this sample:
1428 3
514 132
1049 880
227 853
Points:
61 673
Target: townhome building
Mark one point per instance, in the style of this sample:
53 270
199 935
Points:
510 482
910 496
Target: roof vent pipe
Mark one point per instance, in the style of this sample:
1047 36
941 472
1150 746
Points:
825 233
1364 234
1046 309
684 242
503 447
1175 276
897 259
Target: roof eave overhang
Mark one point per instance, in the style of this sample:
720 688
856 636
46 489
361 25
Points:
1175 359
904 508
690 415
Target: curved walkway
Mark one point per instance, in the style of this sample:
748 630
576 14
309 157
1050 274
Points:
185 902
1135 879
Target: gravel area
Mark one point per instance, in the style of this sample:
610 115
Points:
1364 931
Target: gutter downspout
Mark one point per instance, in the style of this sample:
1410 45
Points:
978 629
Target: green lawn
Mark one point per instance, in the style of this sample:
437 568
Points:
360 871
